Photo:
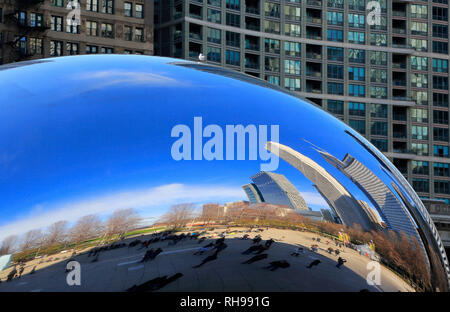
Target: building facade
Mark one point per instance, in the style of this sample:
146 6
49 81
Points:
277 189
33 29
389 80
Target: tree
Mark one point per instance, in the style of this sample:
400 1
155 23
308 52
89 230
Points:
179 215
122 221
56 233
32 239
8 245
86 227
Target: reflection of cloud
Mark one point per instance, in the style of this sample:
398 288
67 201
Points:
156 197
108 78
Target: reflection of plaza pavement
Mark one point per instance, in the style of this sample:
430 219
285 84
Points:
117 270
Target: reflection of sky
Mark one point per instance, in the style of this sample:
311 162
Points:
87 126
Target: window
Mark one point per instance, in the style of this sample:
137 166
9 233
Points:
356 56
292 13
419 11
335 71
419 115
128 9
420 149
356 37
213 16
292 67
440 47
419 28
36 20
91 28
378 92
272 9
128 33
35 45
419 63
441 170
59 3
56 23
107 6
378 110
440 150
335 107
335 18
273 79
107 30
233 39
336 88
419 132
378 75
92 5
272 64
56 48
272 46
440 117
139 34
356 73
72 48
335 54
215 2
356 90
292 48
358 124
71 27
440 82
357 5
440 99
440 31
419 44
378 39
334 35
90 49
233 5
214 35
357 109
271 27
106 50
440 66
440 134
419 80
421 185
420 97
233 20
381 144
442 187
420 167
292 30
292 84
213 54
139 8
356 20
440 14
232 57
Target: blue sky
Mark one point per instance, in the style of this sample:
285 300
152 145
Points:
96 137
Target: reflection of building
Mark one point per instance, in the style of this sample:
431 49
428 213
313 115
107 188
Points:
381 196
327 216
337 196
276 189
373 216
253 194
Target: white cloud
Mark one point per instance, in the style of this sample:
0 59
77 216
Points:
314 199
156 198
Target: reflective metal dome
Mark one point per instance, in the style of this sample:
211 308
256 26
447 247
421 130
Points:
286 197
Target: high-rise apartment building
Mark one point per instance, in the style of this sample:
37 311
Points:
33 29
389 80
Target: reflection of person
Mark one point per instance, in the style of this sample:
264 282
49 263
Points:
278 264
297 251
314 263
340 262
11 274
255 258
207 259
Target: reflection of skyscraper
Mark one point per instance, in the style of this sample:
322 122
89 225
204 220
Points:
327 216
373 216
376 191
337 196
276 189
253 194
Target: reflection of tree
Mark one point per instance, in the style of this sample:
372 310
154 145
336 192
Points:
179 215
398 251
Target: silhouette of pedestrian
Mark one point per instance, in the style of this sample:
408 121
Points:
314 263
278 264
207 259
255 258
340 262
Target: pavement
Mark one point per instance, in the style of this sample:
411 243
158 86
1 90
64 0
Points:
119 269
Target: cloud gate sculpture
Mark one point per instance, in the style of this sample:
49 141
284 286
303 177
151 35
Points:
135 169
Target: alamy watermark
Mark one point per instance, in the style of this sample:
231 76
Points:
373 278
73 277
190 145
